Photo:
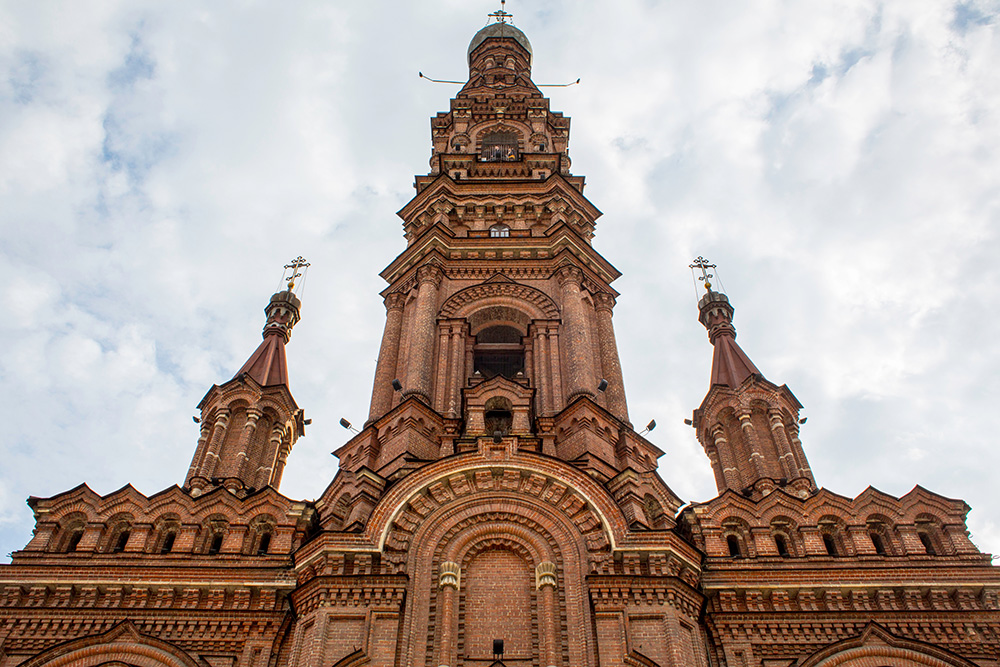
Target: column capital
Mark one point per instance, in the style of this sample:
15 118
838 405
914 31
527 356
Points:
545 575
394 301
569 274
603 301
430 273
451 575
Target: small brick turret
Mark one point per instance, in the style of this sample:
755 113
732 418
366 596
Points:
249 424
748 426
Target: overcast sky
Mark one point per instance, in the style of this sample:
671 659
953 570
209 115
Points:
160 162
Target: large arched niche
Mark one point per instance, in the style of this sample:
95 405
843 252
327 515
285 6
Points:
123 644
510 531
435 481
877 647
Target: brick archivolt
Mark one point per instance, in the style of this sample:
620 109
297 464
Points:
536 304
573 493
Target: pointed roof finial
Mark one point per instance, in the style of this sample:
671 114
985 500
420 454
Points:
501 15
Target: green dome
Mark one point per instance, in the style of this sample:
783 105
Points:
499 30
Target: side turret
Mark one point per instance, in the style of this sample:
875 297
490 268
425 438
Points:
748 426
250 423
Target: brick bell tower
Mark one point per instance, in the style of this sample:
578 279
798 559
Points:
498 481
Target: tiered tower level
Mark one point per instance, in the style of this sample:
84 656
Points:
497 489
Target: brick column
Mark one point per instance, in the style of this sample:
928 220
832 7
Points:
555 369
420 361
800 455
756 458
388 354
211 461
449 581
265 474
200 451
545 581
786 458
576 335
610 363
730 470
540 372
443 357
253 416
457 374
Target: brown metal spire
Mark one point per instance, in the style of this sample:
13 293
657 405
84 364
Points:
267 365
730 364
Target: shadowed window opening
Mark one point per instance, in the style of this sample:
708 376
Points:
830 544
781 545
925 539
265 544
216 545
122 541
499 147
734 546
499 351
168 543
498 416
877 543
74 540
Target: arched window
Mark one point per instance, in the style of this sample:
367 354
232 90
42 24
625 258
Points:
74 539
499 351
928 543
168 542
781 545
733 543
499 147
122 540
264 544
499 231
877 542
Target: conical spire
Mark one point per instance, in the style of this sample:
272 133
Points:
267 365
730 364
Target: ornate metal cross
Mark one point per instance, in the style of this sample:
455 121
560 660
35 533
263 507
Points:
296 264
500 15
704 265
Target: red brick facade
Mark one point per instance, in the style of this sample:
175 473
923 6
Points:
498 489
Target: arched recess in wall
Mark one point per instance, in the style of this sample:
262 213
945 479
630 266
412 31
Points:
877 646
123 643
